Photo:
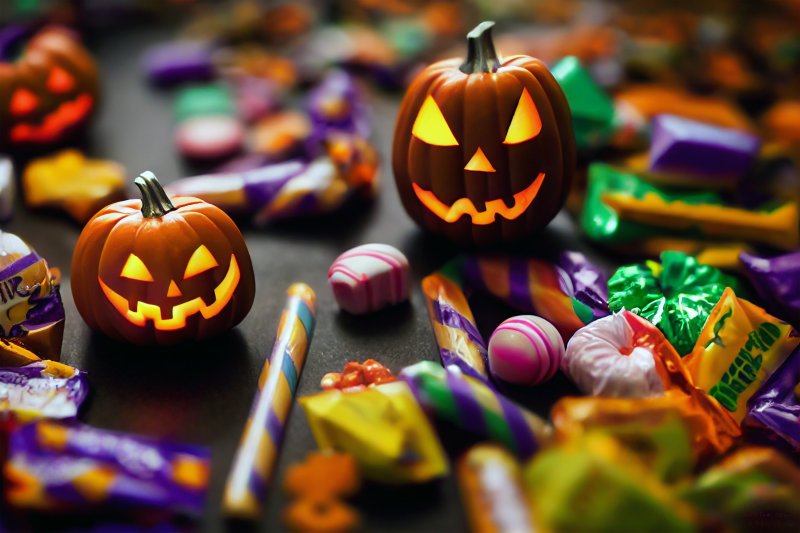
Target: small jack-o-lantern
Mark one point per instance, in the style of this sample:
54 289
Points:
483 149
161 271
48 92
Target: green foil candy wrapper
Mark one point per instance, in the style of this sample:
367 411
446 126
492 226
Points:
676 295
594 484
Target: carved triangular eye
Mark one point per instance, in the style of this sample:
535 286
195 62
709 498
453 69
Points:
135 269
200 261
526 123
431 126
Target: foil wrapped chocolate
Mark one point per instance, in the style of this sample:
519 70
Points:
68 468
44 389
31 312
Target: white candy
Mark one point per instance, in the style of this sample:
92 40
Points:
368 278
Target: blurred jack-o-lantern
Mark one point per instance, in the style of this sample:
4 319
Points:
483 149
161 271
48 93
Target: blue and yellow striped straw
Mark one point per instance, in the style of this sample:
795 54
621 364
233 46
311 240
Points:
255 459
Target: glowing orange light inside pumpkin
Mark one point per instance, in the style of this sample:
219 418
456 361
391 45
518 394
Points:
526 122
23 102
60 81
479 162
431 127
173 291
135 269
200 261
145 311
464 206
66 115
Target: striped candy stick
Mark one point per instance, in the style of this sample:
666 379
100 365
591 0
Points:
460 343
255 459
472 405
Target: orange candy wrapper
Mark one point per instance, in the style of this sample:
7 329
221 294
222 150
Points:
740 346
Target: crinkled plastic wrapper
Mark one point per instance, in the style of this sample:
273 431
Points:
774 411
754 489
740 346
31 312
44 389
68 468
383 428
593 483
676 295
777 281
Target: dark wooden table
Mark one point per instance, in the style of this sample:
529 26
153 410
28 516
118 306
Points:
201 394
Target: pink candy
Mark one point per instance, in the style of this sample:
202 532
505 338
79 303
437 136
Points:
368 278
209 137
525 350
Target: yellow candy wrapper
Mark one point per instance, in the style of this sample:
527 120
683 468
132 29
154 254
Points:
740 346
383 427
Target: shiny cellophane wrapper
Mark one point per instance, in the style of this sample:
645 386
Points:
43 389
740 346
383 428
594 483
31 312
71 468
753 489
774 412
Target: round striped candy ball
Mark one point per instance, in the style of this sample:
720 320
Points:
525 350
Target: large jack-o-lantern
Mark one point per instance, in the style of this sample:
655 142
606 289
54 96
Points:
48 93
161 271
483 149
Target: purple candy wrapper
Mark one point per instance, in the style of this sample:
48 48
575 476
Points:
774 413
180 61
73 468
777 281
44 389
588 285
336 105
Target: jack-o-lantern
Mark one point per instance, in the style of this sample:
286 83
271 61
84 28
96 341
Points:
161 271
48 92
483 149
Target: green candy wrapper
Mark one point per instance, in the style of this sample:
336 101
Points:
676 295
594 484
755 489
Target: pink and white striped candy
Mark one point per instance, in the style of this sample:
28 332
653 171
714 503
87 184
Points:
525 350
368 278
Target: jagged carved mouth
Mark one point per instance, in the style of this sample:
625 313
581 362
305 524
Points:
465 206
146 311
66 115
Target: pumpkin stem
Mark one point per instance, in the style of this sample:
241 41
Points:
155 202
481 56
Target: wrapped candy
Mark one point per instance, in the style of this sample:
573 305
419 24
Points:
461 345
31 312
676 295
44 389
560 295
336 105
490 480
608 484
71 468
207 124
179 62
754 489
294 188
774 411
777 282
73 183
449 395
740 346
7 189
382 427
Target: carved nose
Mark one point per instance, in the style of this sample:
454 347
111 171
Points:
479 162
173 290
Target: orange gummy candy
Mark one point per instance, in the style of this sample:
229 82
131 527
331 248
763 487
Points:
323 475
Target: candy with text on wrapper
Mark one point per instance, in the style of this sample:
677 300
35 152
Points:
369 277
72 468
525 350
740 346
31 312
71 182
207 125
777 282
